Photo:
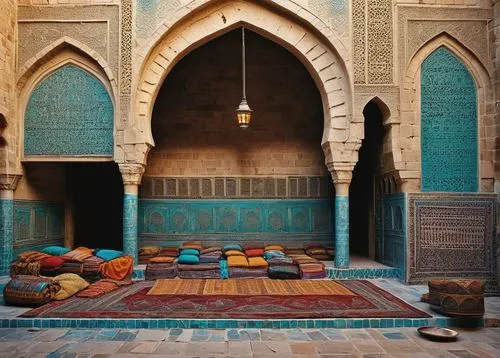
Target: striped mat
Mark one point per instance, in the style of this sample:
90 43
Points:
248 287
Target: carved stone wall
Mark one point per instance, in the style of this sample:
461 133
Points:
372 41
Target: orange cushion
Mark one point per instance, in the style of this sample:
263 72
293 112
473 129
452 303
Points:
234 253
237 261
162 259
254 252
274 247
257 262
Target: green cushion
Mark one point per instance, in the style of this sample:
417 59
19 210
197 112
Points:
189 259
190 252
55 250
108 255
232 247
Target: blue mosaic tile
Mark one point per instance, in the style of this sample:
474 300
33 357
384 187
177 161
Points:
6 235
341 231
130 205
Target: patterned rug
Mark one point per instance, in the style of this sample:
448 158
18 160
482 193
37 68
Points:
364 301
247 287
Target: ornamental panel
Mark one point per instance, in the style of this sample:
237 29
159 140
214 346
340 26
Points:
69 113
448 125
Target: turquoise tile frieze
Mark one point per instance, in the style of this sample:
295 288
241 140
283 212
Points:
69 113
391 230
130 210
341 231
449 134
233 219
37 224
6 235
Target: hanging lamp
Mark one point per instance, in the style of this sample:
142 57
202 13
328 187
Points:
243 112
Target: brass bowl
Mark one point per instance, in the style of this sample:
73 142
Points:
438 333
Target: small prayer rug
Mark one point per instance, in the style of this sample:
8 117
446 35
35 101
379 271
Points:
361 299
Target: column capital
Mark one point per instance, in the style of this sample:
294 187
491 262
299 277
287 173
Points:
9 181
341 173
131 173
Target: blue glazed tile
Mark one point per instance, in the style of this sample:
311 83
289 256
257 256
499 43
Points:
301 324
267 324
366 323
310 323
285 324
399 322
357 323
408 323
374 323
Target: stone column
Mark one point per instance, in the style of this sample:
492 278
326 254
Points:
131 175
341 180
8 184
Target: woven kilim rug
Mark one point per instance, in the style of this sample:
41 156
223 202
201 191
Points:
361 299
249 287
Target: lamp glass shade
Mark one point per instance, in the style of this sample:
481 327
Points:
243 114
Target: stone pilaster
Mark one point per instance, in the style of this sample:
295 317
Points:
8 183
131 175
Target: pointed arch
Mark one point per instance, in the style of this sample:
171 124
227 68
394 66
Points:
409 158
328 69
74 64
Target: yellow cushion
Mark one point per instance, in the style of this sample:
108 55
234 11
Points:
237 261
234 253
70 284
150 250
257 262
274 247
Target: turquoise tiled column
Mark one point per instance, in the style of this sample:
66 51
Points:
341 231
6 230
130 204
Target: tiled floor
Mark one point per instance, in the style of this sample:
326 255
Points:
328 342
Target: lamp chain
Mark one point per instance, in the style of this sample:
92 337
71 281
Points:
243 61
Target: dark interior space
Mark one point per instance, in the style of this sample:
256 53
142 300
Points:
97 195
361 191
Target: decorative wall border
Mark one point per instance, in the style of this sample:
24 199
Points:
237 187
476 246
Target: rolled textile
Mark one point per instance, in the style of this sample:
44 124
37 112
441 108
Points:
70 284
189 259
117 269
158 271
312 275
237 261
149 250
284 272
199 267
162 260
274 248
211 249
25 290
240 272
233 253
25 268
215 273
32 256
79 254
209 259
254 252
257 262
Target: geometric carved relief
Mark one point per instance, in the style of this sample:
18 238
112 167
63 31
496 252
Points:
380 43
359 40
96 26
448 125
35 36
152 13
126 50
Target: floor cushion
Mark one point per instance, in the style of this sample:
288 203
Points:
254 252
55 250
24 290
108 255
52 262
284 272
150 250
232 247
188 259
117 269
190 252
274 248
234 253
79 254
25 268
70 284
162 260
237 261
254 262
32 256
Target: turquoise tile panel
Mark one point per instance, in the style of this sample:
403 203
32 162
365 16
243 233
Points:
341 231
6 235
449 128
69 113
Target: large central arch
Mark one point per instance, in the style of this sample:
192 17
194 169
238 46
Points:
327 64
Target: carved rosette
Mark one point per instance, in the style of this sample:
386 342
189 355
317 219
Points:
9 181
131 173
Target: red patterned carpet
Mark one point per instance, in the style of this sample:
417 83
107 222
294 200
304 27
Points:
366 301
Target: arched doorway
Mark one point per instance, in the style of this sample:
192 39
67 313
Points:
215 181
362 193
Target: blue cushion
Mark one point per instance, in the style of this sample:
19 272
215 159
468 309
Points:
108 255
232 247
273 253
55 250
189 259
190 252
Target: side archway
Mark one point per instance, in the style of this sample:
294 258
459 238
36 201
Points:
323 62
409 162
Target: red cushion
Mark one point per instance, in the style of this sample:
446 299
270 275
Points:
254 252
52 262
